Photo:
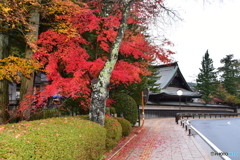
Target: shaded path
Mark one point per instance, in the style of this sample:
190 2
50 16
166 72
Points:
162 139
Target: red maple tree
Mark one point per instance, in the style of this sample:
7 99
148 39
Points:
74 52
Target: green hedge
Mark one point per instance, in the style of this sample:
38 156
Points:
126 106
126 126
113 129
57 138
114 132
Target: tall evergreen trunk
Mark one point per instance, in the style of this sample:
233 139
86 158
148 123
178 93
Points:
32 36
100 90
4 95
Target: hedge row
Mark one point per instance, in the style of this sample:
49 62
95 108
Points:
56 138
60 138
126 107
126 126
114 132
116 128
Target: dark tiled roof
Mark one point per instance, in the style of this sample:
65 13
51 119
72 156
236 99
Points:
168 74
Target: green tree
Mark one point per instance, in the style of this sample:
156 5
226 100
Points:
227 98
230 73
206 80
152 80
237 68
134 90
126 107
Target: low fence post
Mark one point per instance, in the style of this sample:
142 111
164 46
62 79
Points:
184 121
177 117
188 127
189 130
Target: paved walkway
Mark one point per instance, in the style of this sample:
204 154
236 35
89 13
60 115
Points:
159 139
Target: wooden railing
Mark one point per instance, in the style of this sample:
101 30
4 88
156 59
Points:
183 115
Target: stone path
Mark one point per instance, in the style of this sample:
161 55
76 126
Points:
159 139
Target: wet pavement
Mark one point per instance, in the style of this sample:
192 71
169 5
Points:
223 133
161 139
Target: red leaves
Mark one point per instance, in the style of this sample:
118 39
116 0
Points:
128 73
96 67
61 54
107 35
75 51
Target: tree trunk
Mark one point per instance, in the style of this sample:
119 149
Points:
32 36
4 99
100 86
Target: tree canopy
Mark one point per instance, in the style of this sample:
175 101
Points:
223 90
230 74
207 78
77 40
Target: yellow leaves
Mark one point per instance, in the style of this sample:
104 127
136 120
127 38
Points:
63 7
34 2
12 68
5 12
62 28
16 13
6 9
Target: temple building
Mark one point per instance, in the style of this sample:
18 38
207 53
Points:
176 96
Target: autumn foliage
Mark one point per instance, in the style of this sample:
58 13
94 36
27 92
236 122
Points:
12 68
74 51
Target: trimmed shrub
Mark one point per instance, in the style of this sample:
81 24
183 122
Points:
126 106
126 126
57 138
114 132
112 110
86 116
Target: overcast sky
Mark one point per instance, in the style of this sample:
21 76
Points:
214 27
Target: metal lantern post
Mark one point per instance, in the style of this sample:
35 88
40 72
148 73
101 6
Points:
179 93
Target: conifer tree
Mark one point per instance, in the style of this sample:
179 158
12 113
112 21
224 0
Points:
230 73
207 78
153 85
